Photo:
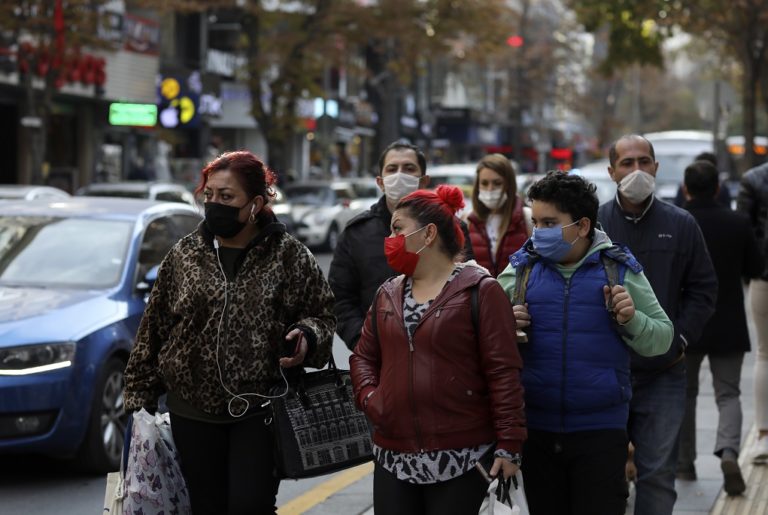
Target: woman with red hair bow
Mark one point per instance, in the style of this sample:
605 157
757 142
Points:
436 371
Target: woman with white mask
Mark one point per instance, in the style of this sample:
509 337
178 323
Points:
499 223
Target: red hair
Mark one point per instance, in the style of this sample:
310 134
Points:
255 177
438 207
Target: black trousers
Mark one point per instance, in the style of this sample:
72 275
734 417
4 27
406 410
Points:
578 473
459 496
228 468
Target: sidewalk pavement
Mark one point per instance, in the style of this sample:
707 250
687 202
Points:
701 497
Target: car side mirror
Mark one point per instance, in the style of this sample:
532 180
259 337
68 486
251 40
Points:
145 285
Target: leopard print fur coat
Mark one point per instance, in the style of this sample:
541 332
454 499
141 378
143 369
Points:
278 286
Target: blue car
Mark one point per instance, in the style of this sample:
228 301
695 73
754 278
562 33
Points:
74 279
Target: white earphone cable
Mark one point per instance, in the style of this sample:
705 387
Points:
238 396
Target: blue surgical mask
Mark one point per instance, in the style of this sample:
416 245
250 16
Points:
548 242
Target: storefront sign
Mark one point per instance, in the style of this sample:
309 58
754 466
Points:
141 35
178 102
135 115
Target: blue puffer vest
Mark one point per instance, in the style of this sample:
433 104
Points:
576 366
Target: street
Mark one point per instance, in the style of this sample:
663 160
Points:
41 486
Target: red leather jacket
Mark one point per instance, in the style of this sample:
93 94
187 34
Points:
445 388
511 241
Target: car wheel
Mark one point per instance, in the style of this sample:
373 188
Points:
333 237
102 448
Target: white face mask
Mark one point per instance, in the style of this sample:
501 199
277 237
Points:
637 186
492 199
398 185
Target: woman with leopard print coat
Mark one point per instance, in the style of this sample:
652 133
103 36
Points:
229 301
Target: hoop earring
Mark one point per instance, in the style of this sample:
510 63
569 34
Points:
252 218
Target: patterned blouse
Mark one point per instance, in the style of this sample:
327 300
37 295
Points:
434 466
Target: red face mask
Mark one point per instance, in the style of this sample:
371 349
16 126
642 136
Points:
398 258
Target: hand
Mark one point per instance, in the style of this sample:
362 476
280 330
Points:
522 318
508 469
623 305
296 337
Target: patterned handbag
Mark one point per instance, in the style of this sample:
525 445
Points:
316 426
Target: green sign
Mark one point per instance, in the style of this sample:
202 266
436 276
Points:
138 115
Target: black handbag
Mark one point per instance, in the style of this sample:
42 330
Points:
316 426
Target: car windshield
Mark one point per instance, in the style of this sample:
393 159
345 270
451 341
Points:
310 195
70 252
366 190
454 180
117 193
672 167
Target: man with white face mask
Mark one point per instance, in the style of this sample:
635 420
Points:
359 265
668 243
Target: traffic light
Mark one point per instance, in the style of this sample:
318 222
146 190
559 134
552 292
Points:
515 41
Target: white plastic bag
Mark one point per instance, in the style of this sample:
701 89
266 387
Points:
153 481
113 495
506 501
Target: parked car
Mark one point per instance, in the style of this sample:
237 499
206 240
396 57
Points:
321 210
366 191
596 172
675 150
30 192
165 191
283 210
461 175
74 278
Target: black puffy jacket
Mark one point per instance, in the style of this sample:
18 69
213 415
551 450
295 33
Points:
753 201
359 267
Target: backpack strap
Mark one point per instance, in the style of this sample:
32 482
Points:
611 268
374 318
522 274
474 304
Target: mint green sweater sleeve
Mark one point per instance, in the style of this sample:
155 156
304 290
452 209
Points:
507 281
651 328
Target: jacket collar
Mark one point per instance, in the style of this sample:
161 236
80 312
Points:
631 216
381 211
469 276
702 203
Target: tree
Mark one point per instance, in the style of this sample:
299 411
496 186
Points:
638 29
291 46
402 38
49 37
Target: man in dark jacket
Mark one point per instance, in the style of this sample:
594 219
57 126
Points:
753 201
359 266
668 243
725 339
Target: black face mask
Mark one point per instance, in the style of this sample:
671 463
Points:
222 220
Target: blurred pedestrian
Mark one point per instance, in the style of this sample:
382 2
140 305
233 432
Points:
668 243
725 338
498 223
723 194
753 200
576 375
229 300
359 266
441 388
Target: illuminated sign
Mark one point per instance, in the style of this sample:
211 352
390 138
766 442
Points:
178 102
137 115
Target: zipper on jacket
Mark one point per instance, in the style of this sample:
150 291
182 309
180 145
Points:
565 350
412 388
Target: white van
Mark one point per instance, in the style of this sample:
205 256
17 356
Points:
675 150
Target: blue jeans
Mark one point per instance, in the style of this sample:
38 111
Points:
655 416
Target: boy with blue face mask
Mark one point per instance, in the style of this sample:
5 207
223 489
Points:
576 375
